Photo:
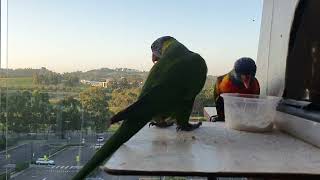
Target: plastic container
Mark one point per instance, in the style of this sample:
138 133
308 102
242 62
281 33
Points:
246 112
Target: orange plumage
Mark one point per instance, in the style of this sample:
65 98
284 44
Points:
229 83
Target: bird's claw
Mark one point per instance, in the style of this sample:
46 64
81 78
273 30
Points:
216 118
152 123
161 124
189 127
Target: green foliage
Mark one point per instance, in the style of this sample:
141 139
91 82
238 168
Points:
20 72
19 111
22 166
2 142
70 113
42 111
203 99
210 82
123 83
113 127
122 98
94 102
27 112
35 105
5 176
46 77
104 73
70 79
21 82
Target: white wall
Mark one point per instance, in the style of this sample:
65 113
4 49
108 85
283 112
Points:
277 17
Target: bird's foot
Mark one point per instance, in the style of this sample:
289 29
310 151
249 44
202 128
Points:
189 127
216 118
161 124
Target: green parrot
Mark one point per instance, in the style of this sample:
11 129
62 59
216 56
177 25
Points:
175 79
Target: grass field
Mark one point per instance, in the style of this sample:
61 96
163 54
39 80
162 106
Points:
23 82
26 83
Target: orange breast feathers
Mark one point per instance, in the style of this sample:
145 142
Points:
228 86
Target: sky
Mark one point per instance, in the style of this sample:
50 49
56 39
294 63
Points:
72 35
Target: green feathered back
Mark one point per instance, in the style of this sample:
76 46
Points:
178 68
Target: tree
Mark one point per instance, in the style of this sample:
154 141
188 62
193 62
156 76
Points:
123 83
3 105
46 77
122 98
19 111
94 102
70 79
203 99
70 113
41 109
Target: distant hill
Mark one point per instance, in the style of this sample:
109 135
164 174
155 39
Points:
27 72
94 75
105 73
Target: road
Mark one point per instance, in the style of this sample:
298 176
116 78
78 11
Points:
24 153
65 166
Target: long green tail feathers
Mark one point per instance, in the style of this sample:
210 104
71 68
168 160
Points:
135 118
125 132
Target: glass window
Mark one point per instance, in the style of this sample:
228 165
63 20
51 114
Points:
73 64
302 88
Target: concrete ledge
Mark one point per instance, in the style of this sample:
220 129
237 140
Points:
301 128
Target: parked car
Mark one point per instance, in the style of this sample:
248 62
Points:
43 161
100 139
98 145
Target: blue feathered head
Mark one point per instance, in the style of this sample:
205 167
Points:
245 70
245 66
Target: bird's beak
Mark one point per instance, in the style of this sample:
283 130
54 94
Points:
246 80
154 59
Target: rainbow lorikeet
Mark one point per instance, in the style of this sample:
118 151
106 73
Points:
241 79
175 79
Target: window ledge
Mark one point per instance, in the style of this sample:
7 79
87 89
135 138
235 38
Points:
312 115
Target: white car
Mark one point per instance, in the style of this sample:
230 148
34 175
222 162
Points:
42 161
100 139
98 145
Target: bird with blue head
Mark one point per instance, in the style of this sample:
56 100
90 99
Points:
241 79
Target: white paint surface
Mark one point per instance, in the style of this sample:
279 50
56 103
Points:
215 149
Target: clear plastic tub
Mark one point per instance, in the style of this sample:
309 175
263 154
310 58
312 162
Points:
248 112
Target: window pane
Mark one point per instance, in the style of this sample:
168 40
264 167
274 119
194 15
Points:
74 64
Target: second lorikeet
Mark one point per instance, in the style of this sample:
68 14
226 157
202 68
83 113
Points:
241 79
